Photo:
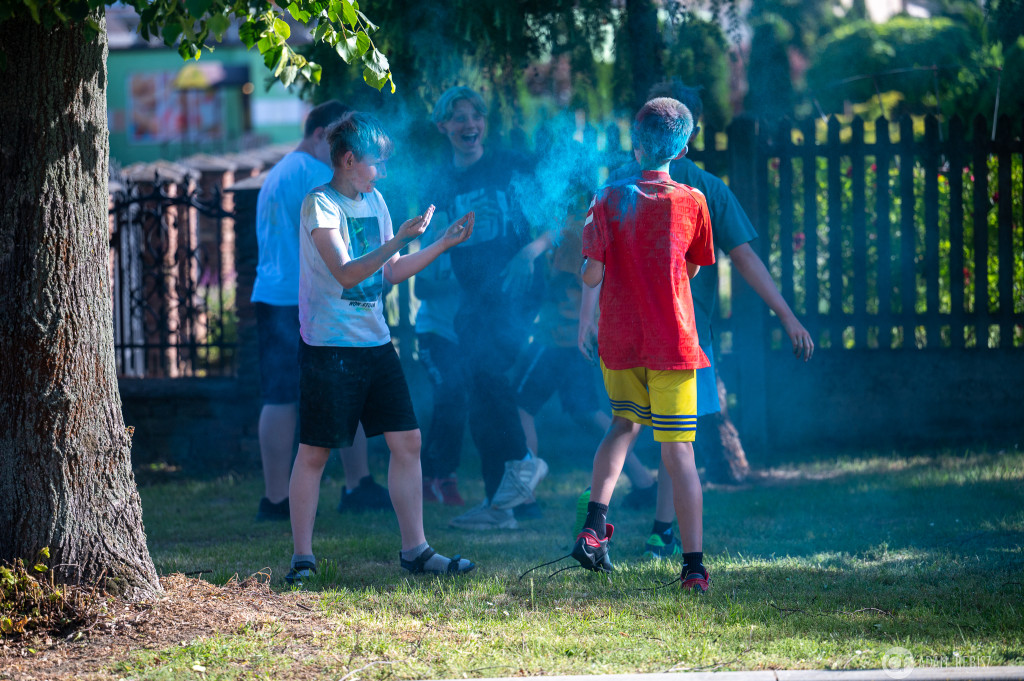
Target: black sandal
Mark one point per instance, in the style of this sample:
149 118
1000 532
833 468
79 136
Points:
417 566
300 571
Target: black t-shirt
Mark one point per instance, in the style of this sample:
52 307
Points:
492 188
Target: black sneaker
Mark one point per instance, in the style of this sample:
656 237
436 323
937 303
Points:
642 498
591 552
271 511
368 496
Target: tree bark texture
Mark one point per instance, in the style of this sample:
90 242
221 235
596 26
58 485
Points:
65 469
719 446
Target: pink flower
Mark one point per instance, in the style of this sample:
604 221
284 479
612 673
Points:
967 277
874 167
775 164
798 240
995 197
849 171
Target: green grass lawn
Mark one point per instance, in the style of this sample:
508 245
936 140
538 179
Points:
828 563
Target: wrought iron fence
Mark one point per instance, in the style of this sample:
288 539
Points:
173 280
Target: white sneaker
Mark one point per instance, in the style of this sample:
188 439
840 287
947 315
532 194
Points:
485 517
520 479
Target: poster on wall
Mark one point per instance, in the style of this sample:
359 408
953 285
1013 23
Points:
159 112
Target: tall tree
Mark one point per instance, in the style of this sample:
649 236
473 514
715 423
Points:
65 466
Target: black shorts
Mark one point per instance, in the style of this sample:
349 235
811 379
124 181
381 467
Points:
545 369
341 387
278 328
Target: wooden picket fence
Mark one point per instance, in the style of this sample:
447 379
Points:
885 237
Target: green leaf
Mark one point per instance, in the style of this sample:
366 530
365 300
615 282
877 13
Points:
377 61
44 552
321 30
369 24
347 49
349 13
283 62
197 8
282 28
33 8
170 32
316 72
39 567
298 13
362 42
371 79
219 25
248 35
272 56
334 11
288 75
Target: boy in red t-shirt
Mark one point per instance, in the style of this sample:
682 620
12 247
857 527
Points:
645 239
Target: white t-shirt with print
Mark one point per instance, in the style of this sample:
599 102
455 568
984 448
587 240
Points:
329 314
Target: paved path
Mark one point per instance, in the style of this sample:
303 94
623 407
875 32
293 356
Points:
916 674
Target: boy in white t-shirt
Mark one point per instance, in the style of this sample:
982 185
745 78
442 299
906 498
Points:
350 372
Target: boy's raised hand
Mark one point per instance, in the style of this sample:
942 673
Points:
414 227
458 231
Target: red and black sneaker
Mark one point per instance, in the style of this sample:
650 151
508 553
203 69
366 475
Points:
591 552
696 582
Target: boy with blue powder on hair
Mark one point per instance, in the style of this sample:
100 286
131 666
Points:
644 239
350 372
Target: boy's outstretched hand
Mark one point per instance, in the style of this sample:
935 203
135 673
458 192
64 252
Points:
458 231
413 228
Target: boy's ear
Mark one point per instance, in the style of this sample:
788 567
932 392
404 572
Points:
347 160
682 153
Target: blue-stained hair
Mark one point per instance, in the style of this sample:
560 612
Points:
662 128
362 134
445 106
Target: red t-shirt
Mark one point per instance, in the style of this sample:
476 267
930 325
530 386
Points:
644 231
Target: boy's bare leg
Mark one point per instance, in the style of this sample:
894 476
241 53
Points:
529 430
405 483
610 456
354 460
637 472
304 494
664 509
634 468
686 491
276 432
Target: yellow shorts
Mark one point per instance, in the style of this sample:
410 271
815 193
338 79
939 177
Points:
666 400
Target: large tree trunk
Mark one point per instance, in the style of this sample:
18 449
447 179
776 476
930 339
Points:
719 446
65 469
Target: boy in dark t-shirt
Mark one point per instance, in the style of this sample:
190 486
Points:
501 287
